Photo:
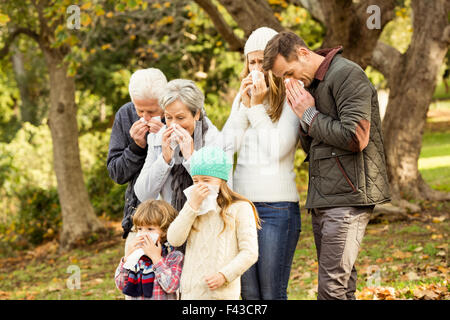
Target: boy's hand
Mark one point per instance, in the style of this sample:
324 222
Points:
152 250
134 244
215 280
198 194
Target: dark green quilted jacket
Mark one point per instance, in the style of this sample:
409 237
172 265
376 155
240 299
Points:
344 143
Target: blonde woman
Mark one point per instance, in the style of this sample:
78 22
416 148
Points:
265 132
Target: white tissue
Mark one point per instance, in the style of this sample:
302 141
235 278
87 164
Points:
299 81
210 201
143 120
134 257
172 139
256 75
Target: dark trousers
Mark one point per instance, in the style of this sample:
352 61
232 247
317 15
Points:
338 233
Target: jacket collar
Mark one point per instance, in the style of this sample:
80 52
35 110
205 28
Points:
329 54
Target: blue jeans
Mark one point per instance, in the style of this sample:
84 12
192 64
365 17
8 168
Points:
268 278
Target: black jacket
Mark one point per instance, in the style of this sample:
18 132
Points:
125 160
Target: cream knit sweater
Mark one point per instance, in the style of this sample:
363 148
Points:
266 150
209 251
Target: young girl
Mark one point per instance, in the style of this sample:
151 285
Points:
220 227
151 268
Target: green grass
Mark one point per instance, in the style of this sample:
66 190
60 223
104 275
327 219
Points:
434 161
440 93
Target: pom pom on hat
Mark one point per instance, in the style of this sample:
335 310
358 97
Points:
259 39
211 161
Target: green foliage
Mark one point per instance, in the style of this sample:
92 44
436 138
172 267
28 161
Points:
37 218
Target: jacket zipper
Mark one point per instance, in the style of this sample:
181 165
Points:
345 174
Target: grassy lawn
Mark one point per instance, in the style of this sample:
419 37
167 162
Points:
402 260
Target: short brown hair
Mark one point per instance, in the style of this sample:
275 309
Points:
284 43
155 212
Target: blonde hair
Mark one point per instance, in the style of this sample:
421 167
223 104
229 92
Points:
277 92
225 199
154 212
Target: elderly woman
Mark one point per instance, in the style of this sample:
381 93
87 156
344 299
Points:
165 173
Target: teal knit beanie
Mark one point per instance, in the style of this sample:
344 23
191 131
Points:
211 161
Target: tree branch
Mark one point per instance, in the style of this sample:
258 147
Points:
235 43
385 58
313 7
5 50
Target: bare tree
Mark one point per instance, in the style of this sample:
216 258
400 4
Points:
412 78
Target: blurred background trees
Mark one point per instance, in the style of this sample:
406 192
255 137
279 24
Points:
51 189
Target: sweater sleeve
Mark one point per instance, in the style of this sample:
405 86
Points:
121 276
125 159
247 243
154 173
280 136
180 228
236 125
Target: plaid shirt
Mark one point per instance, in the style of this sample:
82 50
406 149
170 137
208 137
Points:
167 276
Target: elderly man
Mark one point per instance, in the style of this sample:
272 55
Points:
341 133
128 143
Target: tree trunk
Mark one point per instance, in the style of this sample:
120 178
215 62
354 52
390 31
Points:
78 216
412 80
346 24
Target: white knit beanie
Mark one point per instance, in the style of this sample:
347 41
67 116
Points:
259 39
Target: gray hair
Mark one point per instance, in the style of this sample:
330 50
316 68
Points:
147 84
186 92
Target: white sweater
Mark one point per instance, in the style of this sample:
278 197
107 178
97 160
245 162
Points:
266 150
209 251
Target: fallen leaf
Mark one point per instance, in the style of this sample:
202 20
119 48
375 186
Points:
418 249
412 276
441 254
401 255
442 269
438 219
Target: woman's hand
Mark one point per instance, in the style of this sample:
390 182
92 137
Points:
259 92
198 194
244 90
166 149
185 141
151 249
215 280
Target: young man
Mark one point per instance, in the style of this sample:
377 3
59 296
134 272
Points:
341 133
128 143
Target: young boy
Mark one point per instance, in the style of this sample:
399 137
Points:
151 269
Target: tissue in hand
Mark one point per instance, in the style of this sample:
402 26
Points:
256 75
172 139
134 257
299 81
210 201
